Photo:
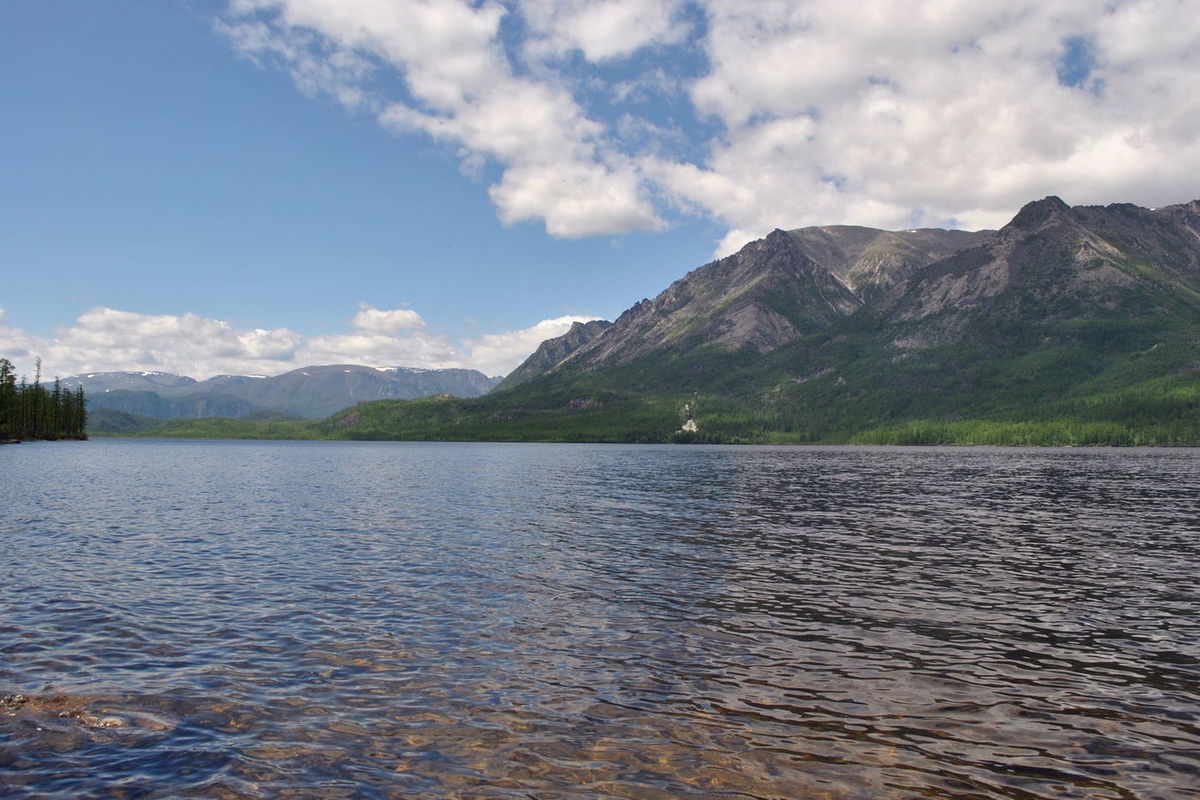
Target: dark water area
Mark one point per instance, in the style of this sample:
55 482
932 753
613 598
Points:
393 620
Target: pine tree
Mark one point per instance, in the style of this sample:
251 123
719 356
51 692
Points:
8 398
35 400
80 414
55 419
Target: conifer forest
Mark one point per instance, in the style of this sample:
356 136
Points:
34 411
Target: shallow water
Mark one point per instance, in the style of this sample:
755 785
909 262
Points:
394 620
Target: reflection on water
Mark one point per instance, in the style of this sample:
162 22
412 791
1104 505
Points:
304 620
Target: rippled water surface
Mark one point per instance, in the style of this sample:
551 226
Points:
303 620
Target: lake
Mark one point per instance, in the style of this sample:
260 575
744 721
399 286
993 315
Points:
412 620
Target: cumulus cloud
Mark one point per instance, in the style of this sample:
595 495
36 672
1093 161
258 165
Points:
931 113
379 349
601 29
574 200
107 339
934 112
395 321
13 344
462 89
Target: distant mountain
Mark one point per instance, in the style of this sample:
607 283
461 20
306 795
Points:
165 405
109 421
129 381
310 392
1068 325
319 391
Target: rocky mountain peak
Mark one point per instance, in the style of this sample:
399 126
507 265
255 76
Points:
778 244
1036 214
553 352
1188 212
869 261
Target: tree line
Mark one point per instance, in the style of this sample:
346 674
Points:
33 411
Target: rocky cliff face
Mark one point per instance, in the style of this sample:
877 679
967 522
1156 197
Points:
553 352
918 288
1053 262
869 261
771 292
767 294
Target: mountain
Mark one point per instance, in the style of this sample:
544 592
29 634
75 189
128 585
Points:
1055 263
147 403
109 421
1068 325
319 391
869 261
916 289
553 352
129 381
310 392
772 292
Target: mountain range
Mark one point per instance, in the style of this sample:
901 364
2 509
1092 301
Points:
308 393
772 292
1052 269
1069 325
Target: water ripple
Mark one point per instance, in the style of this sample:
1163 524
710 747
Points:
296 620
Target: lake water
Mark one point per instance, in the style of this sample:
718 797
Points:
396 620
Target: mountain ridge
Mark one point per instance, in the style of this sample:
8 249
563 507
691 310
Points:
310 392
1046 240
772 291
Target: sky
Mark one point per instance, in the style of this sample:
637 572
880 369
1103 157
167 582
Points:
252 186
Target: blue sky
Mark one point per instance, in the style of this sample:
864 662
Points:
253 186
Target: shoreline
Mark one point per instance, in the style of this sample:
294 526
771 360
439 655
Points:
826 444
